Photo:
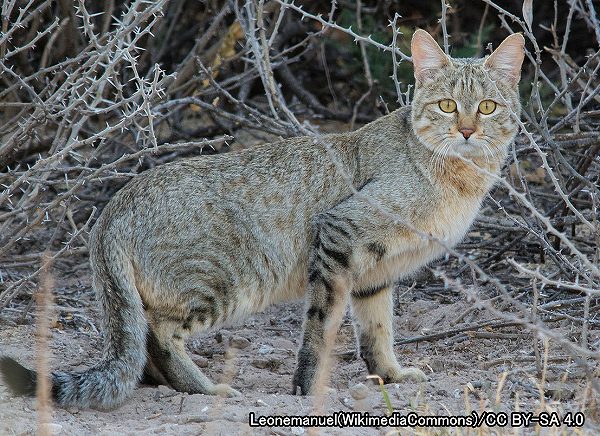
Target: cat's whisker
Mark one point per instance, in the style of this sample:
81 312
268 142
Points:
442 155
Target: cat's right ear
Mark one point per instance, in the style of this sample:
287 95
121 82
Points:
427 56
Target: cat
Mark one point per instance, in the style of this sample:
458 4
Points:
199 242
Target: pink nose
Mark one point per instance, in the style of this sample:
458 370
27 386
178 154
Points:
467 132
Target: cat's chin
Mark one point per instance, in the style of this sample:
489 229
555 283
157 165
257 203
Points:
471 149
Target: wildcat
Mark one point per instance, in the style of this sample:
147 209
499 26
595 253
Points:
195 243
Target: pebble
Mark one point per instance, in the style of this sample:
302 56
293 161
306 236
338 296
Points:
260 363
283 343
239 342
166 428
166 391
560 391
236 416
265 349
261 403
201 361
359 391
221 335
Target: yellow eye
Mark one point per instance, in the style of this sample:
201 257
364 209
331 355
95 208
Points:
447 105
486 107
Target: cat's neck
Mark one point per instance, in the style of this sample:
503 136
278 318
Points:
469 177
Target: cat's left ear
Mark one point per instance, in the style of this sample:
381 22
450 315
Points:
507 59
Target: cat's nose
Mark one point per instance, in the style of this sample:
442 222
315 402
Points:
467 132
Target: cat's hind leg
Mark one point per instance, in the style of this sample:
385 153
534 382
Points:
152 375
373 312
167 354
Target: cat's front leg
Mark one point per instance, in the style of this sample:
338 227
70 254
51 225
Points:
328 288
372 308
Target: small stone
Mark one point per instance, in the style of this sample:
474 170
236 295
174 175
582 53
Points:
166 429
222 335
166 391
194 419
284 344
271 363
438 365
260 363
265 349
560 391
261 403
297 430
235 416
359 391
239 342
201 361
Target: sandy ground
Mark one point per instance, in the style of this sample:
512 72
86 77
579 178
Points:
258 359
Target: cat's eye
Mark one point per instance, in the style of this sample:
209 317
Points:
447 105
486 107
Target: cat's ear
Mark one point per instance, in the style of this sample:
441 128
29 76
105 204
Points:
427 56
507 59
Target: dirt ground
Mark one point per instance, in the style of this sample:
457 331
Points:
258 358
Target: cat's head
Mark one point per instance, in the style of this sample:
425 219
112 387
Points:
466 107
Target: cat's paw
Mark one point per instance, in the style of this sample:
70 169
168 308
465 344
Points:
224 390
399 374
308 360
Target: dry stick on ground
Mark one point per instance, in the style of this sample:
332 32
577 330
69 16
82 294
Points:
449 333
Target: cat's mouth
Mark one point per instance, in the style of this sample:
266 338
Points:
474 146
449 144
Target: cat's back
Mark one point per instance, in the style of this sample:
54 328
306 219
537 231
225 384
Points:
276 186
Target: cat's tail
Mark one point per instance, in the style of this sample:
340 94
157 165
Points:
110 381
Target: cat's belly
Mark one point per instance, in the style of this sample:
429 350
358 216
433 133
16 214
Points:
391 268
255 298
